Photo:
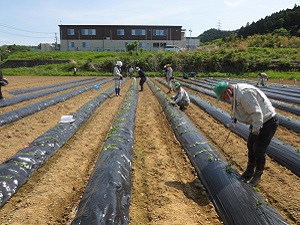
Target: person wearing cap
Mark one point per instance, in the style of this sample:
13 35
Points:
169 76
118 77
3 82
181 98
251 106
262 79
143 77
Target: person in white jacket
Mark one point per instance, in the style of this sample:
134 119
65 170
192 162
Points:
118 77
181 98
169 76
262 79
251 106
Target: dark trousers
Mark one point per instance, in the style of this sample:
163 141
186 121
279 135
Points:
142 81
1 96
258 144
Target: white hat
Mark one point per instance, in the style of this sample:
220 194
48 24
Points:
119 63
137 68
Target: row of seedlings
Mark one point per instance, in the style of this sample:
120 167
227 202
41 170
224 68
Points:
107 196
235 201
32 89
22 98
280 151
28 110
16 171
277 104
287 122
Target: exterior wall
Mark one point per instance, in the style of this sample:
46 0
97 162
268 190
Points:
47 47
107 38
192 43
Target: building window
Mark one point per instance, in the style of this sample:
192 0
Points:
142 44
159 32
71 44
120 32
138 32
85 44
71 31
88 31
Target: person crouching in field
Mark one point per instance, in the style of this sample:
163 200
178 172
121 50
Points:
181 98
3 82
251 106
262 79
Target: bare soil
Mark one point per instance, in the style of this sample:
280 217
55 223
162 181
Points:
165 186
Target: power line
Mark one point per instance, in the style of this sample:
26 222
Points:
23 35
14 28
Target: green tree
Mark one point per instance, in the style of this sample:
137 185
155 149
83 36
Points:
134 46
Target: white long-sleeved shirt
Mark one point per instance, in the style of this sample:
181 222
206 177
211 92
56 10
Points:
117 73
251 106
169 73
181 95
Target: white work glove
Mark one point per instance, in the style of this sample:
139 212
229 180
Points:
255 130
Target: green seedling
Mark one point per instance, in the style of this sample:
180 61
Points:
298 150
228 168
24 164
7 177
259 203
256 189
187 131
197 143
110 147
180 125
210 157
200 152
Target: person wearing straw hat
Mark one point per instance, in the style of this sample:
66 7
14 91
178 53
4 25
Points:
181 98
169 76
251 106
262 79
118 77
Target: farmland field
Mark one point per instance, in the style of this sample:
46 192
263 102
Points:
165 187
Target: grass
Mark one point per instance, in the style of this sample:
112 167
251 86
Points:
101 64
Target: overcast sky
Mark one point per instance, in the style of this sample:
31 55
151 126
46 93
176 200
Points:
31 22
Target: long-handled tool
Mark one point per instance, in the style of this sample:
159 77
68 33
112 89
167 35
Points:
226 139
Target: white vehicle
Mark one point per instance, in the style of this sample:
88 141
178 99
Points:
172 48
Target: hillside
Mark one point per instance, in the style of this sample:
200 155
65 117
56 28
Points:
285 23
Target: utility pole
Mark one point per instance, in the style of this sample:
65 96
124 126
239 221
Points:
219 25
55 41
190 41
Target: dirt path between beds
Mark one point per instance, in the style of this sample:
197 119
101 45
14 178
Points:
165 187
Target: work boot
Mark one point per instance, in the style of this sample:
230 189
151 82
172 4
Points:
249 172
256 178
